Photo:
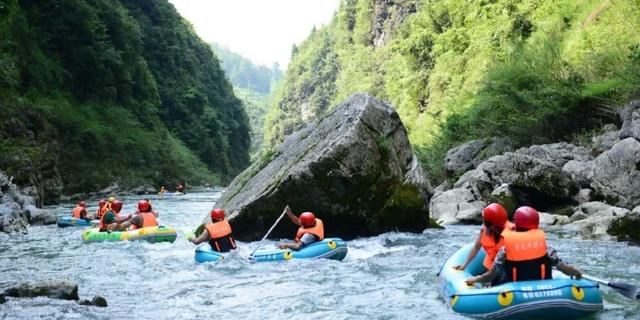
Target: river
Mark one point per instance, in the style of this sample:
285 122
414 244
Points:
390 276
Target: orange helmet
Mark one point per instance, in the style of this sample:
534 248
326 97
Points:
307 219
217 214
495 214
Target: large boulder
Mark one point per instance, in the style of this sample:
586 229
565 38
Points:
18 210
521 172
630 115
595 218
354 168
615 174
456 206
626 227
469 155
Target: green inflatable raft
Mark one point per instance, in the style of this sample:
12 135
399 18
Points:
150 234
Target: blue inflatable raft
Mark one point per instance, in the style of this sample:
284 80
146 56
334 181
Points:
68 221
558 298
330 248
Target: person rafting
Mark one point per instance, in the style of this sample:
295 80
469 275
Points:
101 205
525 255
162 190
80 211
218 232
107 207
111 220
495 221
145 217
310 230
179 187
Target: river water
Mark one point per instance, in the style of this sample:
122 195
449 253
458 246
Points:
390 276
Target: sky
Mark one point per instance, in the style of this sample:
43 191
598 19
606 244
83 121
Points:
261 30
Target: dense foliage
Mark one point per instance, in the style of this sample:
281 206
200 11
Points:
97 92
245 74
456 70
253 84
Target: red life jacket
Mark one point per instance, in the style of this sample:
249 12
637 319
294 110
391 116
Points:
317 230
526 255
220 236
77 212
490 246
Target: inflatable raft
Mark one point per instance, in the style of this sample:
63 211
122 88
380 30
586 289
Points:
558 298
329 248
150 234
68 221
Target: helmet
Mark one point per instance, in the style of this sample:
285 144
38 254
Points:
307 219
144 206
116 206
217 214
526 218
102 203
495 213
112 199
82 204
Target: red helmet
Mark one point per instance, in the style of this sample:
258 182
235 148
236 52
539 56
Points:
82 204
116 206
526 218
102 203
307 219
217 214
143 206
495 213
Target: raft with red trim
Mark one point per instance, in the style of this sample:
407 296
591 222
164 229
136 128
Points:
557 298
149 234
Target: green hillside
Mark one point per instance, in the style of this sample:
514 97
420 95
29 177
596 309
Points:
533 71
96 92
253 84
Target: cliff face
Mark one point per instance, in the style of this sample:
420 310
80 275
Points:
465 70
123 91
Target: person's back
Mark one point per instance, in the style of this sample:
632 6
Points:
218 233
526 255
80 212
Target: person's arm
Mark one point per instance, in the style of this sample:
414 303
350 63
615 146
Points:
292 216
204 237
293 246
488 276
472 254
569 270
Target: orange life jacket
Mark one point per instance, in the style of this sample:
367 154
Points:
526 255
317 230
77 212
149 219
490 246
220 236
104 210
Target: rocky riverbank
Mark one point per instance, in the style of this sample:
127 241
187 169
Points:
18 210
592 188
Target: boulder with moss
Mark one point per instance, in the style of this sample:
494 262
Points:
354 168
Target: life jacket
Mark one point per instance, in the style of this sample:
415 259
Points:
104 209
490 246
103 226
77 212
526 255
220 236
317 230
148 220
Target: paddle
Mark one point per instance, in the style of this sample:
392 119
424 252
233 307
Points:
268 232
624 289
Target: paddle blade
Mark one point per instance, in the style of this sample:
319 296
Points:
626 290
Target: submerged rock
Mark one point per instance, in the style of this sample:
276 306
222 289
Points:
65 290
353 168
